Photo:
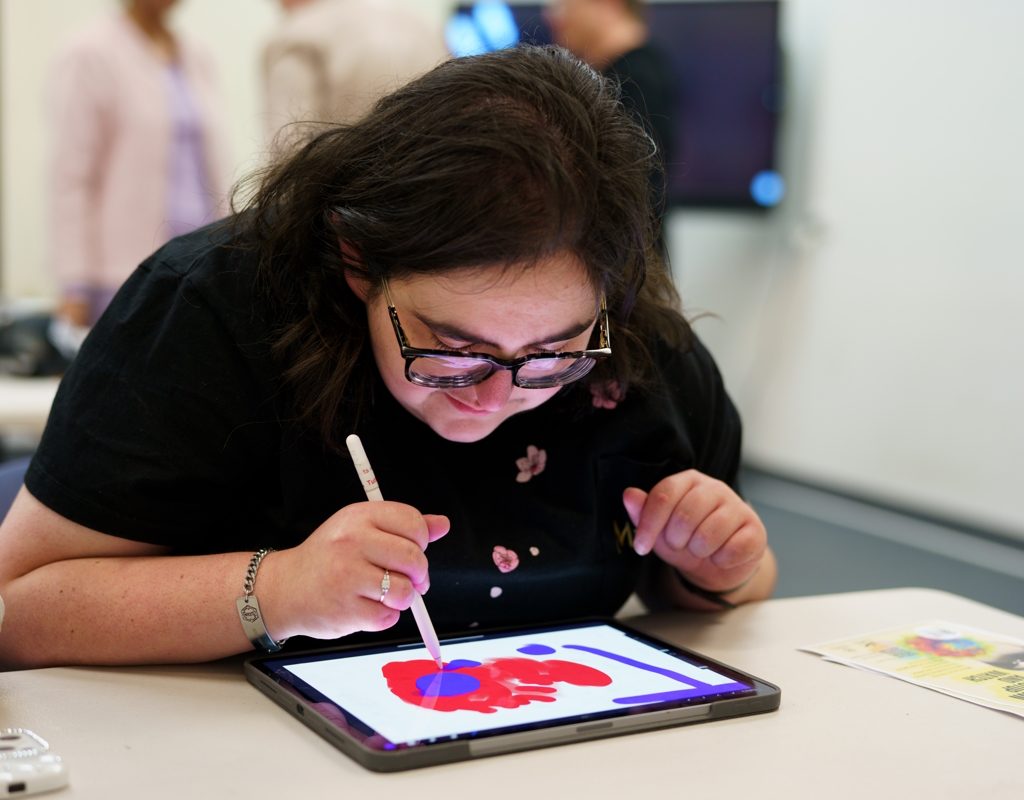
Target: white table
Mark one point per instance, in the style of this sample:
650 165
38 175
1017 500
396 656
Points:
204 732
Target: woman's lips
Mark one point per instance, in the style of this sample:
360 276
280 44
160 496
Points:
462 408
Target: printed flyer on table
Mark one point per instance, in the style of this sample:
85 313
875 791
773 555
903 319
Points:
974 665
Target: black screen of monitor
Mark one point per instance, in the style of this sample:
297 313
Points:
726 70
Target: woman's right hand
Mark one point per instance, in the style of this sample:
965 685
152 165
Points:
330 585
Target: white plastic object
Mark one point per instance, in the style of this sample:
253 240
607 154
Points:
27 766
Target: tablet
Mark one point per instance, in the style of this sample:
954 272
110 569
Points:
390 708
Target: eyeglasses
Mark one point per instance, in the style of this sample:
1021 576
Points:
454 369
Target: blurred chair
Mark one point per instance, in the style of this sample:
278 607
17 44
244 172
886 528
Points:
12 475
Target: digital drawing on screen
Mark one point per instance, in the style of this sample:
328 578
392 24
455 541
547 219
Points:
489 683
486 686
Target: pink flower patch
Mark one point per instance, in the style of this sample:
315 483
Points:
531 464
606 395
504 559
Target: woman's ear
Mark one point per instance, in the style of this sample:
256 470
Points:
359 285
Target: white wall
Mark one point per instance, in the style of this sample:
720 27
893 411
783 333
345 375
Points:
872 330
869 329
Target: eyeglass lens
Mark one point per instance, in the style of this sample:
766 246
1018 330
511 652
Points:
536 373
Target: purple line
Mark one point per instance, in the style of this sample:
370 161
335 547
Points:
668 673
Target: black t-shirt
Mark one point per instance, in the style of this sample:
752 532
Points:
170 427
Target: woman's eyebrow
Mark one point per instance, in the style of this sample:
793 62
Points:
462 335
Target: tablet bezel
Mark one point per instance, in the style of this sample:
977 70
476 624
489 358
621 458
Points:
356 739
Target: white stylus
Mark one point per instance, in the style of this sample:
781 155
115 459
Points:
419 611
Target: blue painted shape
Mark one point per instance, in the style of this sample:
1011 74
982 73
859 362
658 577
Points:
446 684
460 663
536 650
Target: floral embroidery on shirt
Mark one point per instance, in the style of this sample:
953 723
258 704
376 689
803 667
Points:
531 464
504 559
607 394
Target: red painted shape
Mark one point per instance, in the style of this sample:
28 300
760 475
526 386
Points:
504 683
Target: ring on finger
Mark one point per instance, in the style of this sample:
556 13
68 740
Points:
385 585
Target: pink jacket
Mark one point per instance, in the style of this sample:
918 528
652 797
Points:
111 150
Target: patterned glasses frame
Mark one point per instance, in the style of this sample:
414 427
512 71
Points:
583 360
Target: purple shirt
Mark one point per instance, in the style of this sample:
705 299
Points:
189 204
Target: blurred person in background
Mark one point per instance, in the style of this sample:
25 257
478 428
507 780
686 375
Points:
330 60
613 37
138 155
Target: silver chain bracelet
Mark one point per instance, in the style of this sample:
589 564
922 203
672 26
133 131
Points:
249 607
254 565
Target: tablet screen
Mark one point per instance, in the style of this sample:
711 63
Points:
396 697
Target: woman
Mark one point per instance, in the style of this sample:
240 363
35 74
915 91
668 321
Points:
466 279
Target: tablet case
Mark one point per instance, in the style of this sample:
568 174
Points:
322 718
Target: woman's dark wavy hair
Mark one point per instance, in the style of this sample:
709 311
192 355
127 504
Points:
492 161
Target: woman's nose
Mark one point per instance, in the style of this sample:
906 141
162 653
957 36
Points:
493 393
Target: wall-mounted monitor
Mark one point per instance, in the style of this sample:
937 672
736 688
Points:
726 65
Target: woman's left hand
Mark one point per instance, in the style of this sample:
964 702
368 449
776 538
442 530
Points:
699 526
